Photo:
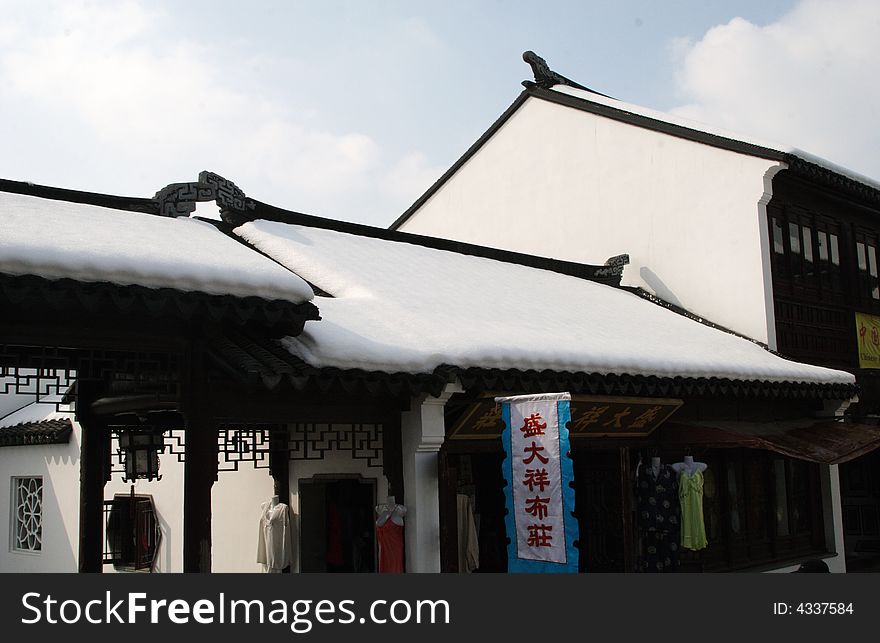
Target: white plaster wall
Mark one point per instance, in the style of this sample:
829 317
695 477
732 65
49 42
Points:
58 464
235 517
168 502
334 463
833 512
559 182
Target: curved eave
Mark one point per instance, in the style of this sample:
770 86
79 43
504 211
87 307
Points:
31 296
266 363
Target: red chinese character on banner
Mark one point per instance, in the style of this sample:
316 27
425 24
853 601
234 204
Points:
536 478
532 426
539 535
538 507
534 449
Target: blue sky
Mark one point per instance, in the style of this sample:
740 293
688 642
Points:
351 109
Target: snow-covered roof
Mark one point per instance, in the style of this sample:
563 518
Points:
672 119
399 307
60 239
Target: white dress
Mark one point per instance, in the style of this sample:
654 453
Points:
274 545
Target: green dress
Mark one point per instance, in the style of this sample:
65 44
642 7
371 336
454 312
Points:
690 494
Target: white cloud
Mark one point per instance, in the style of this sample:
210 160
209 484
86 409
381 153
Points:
410 177
109 97
805 80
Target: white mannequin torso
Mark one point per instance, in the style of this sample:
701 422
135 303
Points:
689 466
390 510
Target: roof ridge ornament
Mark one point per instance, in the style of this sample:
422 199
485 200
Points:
613 267
179 199
546 77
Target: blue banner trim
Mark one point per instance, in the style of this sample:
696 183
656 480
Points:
515 565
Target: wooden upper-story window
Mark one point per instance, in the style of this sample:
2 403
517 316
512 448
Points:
806 251
866 261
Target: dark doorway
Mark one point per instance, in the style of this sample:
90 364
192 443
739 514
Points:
337 532
860 498
599 510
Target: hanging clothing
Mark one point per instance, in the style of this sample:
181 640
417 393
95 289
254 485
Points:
468 540
690 493
391 547
335 555
659 519
660 552
274 545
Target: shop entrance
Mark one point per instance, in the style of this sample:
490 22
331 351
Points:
603 512
337 529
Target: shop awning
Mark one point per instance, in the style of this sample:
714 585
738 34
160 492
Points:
825 441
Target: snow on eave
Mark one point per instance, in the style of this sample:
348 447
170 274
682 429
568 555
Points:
403 308
697 126
56 239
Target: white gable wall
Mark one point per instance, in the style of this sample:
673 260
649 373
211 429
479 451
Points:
564 183
58 465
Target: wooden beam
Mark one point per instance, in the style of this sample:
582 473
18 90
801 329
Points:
274 408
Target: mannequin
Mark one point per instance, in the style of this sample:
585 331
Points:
274 545
389 533
658 511
690 494
654 468
689 466
390 509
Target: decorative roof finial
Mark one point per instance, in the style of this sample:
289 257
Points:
546 77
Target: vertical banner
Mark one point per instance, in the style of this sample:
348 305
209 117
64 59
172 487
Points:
538 496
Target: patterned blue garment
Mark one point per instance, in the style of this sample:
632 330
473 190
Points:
659 519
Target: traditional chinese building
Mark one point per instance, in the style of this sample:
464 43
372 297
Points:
334 364
760 238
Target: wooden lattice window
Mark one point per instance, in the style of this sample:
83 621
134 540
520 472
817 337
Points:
132 532
27 518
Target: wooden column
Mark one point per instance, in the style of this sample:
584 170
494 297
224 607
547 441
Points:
392 457
200 474
449 545
279 463
626 513
94 471
279 468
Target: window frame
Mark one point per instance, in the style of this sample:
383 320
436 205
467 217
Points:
131 533
13 515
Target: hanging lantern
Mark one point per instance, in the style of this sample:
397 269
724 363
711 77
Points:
140 449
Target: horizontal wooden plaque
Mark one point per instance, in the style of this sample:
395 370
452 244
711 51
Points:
591 416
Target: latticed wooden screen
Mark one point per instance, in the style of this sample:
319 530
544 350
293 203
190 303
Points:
28 498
